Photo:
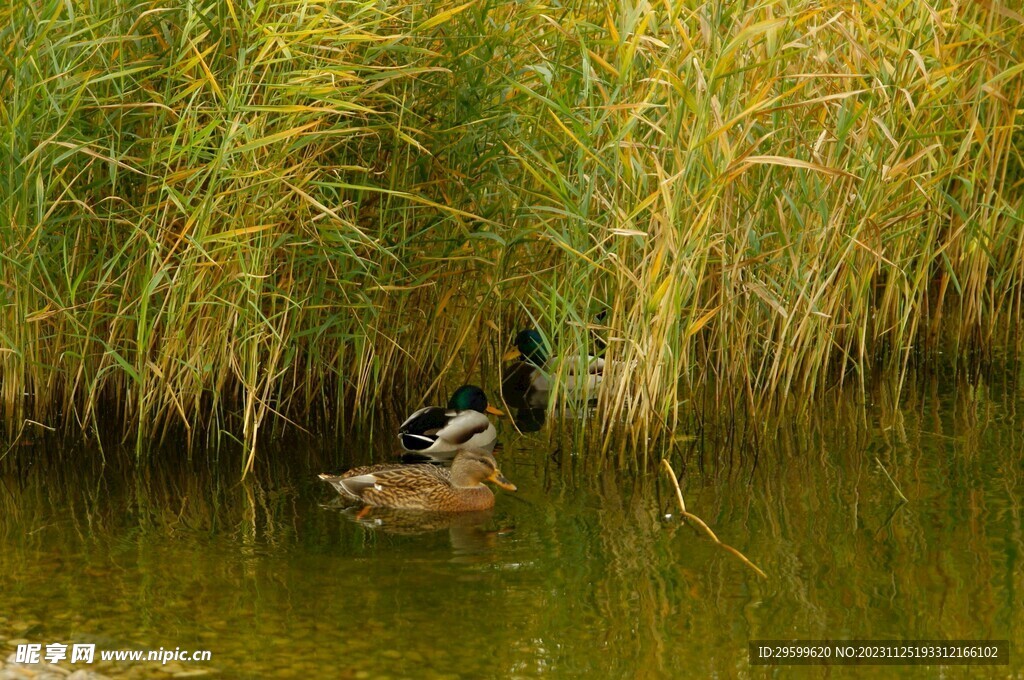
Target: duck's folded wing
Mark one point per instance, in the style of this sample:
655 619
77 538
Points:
426 421
351 486
405 476
405 486
420 430
463 426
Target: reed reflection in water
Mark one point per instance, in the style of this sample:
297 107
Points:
582 572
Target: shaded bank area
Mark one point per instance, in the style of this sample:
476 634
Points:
224 219
585 571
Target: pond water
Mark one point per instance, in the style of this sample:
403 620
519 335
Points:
585 572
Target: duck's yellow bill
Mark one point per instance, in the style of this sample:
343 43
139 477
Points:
500 480
513 353
494 411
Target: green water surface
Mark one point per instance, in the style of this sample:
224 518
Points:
585 572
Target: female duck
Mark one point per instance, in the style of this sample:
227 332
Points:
424 486
438 433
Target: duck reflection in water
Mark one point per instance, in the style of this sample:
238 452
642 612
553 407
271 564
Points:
469 532
531 408
523 386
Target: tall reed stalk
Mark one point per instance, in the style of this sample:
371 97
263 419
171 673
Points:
231 217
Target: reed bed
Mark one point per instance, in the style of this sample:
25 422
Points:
228 218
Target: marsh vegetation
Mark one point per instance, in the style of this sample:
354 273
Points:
224 219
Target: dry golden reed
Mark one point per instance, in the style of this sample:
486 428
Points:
225 217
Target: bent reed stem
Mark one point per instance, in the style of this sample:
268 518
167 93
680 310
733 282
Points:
700 523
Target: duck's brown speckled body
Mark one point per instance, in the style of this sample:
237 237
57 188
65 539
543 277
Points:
424 486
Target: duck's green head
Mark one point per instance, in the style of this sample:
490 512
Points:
531 347
471 398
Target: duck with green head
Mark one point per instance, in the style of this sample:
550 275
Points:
531 373
438 433
424 486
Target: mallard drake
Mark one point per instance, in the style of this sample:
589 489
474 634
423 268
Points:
531 372
437 433
424 486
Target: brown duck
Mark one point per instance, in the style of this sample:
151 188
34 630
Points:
424 486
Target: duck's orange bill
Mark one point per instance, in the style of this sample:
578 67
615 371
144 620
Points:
513 353
494 411
500 480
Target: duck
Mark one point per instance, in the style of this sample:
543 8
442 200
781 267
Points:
436 433
424 486
530 375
